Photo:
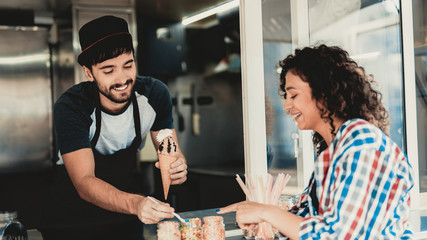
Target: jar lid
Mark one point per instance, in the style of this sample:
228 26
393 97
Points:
168 224
192 222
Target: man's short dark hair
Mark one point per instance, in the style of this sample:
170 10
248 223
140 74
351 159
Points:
102 39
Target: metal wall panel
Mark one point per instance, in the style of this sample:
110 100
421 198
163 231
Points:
25 100
26 4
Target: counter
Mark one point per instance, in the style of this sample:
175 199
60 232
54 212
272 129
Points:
232 232
418 219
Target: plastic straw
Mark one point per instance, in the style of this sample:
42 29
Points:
243 187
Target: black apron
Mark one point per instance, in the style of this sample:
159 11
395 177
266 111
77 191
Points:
70 217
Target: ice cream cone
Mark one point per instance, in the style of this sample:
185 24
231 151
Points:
165 162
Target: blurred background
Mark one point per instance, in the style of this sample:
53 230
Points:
200 62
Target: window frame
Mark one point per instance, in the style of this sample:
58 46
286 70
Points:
253 97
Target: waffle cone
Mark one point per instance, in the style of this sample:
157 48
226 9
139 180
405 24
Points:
165 162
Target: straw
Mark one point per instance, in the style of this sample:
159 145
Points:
244 188
258 190
269 186
283 183
263 190
262 186
279 186
252 188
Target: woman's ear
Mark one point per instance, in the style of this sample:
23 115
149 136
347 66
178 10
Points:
88 73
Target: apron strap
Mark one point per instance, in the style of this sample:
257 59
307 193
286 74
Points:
98 127
137 121
98 123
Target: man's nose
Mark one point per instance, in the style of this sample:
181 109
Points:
122 76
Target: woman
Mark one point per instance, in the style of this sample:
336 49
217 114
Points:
361 181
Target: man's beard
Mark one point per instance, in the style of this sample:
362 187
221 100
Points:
122 98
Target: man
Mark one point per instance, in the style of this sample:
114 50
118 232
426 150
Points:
100 125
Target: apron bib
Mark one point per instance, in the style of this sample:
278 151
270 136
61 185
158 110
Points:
71 217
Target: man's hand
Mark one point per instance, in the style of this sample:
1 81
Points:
150 212
178 170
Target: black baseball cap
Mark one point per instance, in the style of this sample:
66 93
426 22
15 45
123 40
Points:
106 32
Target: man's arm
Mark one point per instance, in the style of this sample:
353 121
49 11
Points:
179 167
80 165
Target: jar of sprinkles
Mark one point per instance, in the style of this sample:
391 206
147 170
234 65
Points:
168 230
213 228
191 229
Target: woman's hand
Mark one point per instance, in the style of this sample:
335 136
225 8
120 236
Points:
247 213
250 213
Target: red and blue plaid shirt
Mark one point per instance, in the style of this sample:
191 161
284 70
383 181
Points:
362 185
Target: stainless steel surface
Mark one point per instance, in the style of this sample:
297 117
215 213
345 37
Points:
26 4
25 97
150 230
63 62
220 139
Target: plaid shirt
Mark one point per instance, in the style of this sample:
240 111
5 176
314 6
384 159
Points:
363 181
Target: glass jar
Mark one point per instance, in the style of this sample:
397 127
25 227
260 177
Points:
265 231
249 233
168 230
287 202
213 228
10 227
191 229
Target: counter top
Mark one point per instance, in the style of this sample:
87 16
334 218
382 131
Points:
232 232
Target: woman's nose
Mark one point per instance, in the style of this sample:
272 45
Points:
286 105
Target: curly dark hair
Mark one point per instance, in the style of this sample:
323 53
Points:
340 87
